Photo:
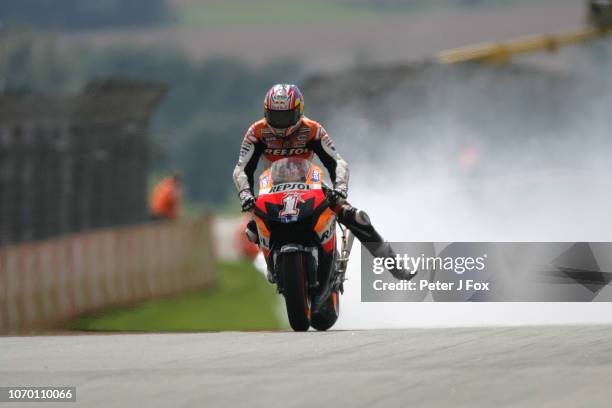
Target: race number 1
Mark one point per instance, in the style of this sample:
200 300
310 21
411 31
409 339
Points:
290 202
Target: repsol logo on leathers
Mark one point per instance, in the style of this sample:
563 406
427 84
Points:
289 186
293 151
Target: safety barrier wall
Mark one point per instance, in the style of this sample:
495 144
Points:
43 283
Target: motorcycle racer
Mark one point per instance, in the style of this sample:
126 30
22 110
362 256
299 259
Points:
286 132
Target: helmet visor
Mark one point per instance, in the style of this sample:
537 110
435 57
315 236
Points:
282 119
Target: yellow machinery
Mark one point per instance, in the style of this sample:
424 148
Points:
600 16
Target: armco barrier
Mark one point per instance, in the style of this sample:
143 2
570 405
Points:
43 283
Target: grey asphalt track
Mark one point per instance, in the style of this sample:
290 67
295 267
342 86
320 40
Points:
544 367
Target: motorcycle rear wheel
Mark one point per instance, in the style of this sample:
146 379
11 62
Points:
292 267
327 314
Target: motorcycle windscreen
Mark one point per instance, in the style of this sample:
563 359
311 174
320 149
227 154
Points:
290 170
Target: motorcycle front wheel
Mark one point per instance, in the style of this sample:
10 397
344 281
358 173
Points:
292 268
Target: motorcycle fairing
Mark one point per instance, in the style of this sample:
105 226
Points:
299 206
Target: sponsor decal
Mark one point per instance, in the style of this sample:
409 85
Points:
264 182
272 139
289 186
263 241
280 105
245 149
328 142
316 176
250 136
328 233
287 152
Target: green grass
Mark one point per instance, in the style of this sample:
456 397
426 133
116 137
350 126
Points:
241 300
195 209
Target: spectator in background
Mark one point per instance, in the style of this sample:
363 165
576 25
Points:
166 198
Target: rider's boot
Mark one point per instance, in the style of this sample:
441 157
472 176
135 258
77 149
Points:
253 236
269 275
251 232
358 222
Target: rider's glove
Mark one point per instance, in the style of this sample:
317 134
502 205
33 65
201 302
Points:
336 196
247 201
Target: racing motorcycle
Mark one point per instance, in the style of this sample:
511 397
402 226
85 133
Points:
297 235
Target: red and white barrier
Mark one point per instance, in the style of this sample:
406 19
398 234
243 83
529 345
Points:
45 282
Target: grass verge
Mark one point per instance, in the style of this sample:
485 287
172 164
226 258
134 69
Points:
241 300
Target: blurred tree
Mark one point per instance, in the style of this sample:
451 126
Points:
198 127
36 63
208 157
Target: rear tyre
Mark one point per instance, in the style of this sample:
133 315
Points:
328 313
292 268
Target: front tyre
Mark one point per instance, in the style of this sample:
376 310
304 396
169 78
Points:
292 270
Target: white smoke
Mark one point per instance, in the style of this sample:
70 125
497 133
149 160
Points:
439 177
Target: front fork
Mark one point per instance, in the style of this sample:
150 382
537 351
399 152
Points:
342 259
309 256
338 273
340 263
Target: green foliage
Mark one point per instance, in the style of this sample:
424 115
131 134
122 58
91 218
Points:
202 120
209 157
242 300
76 14
30 62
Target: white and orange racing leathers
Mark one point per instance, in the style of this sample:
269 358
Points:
308 139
